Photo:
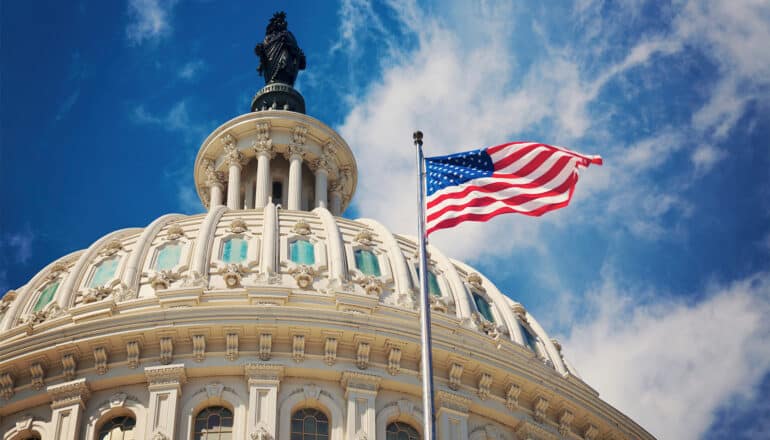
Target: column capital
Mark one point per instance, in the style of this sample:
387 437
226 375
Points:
298 134
75 392
451 401
165 376
336 187
295 151
213 177
233 157
361 382
325 162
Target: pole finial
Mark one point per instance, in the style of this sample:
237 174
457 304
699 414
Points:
417 136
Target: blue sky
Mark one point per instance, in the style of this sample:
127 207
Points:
656 279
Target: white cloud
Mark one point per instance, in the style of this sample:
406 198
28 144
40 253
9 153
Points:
192 69
705 157
19 245
669 364
148 20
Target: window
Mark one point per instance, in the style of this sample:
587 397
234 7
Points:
46 296
214 423
118 428
529 339
234 250
104 272
482 305
401 431
367 262
433 287
168 256
277 193
309 424
302 252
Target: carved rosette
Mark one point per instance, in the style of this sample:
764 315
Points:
371 284
233 274
162 280
365 237
301 228
303 275
174 232
238 226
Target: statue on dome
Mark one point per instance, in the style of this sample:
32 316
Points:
280 57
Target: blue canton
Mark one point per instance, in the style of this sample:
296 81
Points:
455 169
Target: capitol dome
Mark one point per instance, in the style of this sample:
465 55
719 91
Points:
273 317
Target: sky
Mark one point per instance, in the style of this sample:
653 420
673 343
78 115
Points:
656 279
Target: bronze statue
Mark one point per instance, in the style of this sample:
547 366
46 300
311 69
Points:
280 57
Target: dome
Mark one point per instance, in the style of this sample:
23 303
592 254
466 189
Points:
272 317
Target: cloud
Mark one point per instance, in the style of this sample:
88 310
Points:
192 69
148 20
705 157
19 245
177 119
670 364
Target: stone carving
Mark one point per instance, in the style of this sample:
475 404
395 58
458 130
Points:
565 422
394 361
199 348
591 432
37 373
111 248
194 279
162 280
260 434
174 232
474 279
132 351
50 312
280 58
5 302
94 294
158 435
303 275
100 360
298 348
540 407
24 422
371 284
69 393
484 385
265 346
6 386
440 303
166 375
213 177
238 226
362 355
519 311
486 326
69 365
166 350
231 353
123 293
232 273
214 390
512 396
330 351
455 376
312 391
365 237
301 228
324 162
118 399
263 144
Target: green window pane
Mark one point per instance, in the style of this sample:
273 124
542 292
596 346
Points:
482 305
104 272
529 338
302 252
46 296
367 262
168 256
235 250
433 287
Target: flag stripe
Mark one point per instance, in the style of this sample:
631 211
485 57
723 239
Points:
528 178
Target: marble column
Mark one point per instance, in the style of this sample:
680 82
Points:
360 392
335 198
263 147
452 416
263 381
68 402
294 156
234 160
321 166
165 386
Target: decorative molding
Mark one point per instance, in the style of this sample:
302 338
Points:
484 385
166 350
371 284
69 364
263 144
362 355
37 374
118 400
231 346
199 348
213 177
455 375
100 360
394 360
233 273
111 248
298 348
214 390
298 134
6 385
162 375
591 432
330 351
132 350
162 280
75 392
265 346
565 422
260 434
303 275
540 406
519 311
356 380
365 237
174 232
233 157
455 402
262 372
238 226
512 396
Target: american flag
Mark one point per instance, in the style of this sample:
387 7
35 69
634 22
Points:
525 177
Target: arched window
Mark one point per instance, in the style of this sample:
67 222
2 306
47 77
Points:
367 262
309 424
104 272
401 431
302 252
234 250
214 423
168 256
46 296
433 287
529 339
118 428
482 305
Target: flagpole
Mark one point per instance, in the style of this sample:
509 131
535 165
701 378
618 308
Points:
427 355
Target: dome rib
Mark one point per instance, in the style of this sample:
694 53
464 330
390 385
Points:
337 268
267 264
132 275
202 252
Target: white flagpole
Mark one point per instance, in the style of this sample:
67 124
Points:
427 355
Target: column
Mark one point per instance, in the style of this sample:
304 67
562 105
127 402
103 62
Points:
68 401
234 161
321 179
214 183
452 416
360 392
294 156
335 198
263 381
263 147
165 386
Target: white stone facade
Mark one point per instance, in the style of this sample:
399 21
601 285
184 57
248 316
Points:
265 311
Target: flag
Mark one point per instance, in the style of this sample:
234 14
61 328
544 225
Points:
524 177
